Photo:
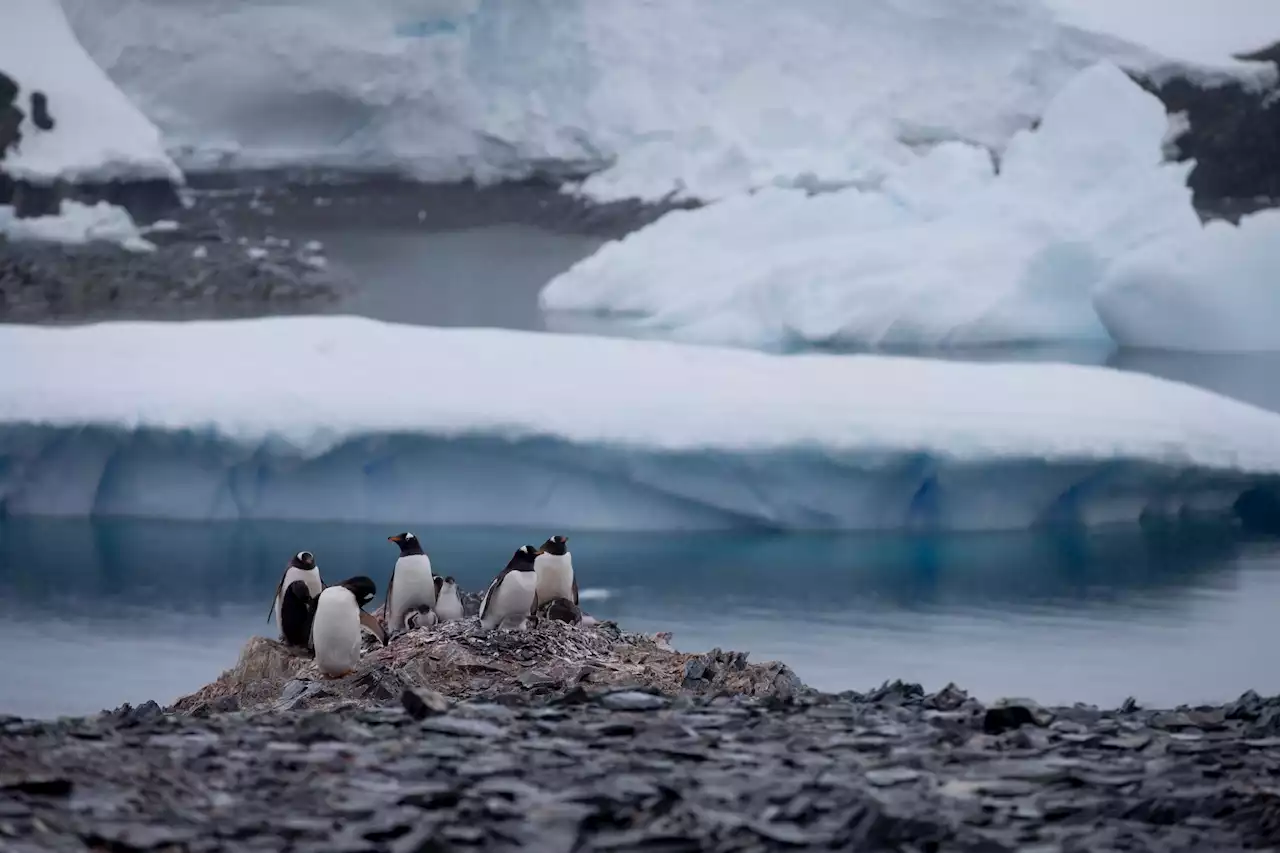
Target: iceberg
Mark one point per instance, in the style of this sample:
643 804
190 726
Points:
342 418
949 252
98 134
77 224
654 99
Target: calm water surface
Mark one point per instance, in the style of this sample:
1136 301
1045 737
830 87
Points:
95 614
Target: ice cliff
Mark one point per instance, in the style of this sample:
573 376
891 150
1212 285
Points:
355 420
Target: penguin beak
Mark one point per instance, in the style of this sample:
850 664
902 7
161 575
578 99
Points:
395 539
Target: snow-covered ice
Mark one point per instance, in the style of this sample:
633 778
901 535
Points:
700 99
77 223
1218 291
947 253
98 135
351 419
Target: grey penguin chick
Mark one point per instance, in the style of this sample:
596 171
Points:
512 591
448 602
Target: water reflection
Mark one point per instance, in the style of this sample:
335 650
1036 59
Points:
96 613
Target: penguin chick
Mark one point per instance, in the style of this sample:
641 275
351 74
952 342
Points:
512 591
339 619
420 617
554 568
297 612
448 602
412 584
301 567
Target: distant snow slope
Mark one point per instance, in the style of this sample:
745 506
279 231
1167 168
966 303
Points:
351 419
98 134
700 99
1211 32
77 223
947 253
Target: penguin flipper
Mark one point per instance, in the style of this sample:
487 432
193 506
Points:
484 602
575 591
271 608
373 627
386 604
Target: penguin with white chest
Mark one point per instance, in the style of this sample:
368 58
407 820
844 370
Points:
554 569
339 620
302 567
412 585
448 602
512 592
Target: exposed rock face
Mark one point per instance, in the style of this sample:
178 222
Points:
463 662
894 769
1233 135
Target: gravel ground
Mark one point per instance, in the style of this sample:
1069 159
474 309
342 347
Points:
636 771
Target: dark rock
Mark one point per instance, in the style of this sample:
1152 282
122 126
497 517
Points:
37 785
422 703
40 111
1011 715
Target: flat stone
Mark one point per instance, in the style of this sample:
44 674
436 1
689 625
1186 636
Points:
631 700
887 776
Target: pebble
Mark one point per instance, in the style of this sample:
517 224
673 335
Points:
633 700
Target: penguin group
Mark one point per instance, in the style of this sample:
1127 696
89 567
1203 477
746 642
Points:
331 620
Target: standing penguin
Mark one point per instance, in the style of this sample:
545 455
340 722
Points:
339 617
512 591
448 603
302 567
554 567
412 585
297 611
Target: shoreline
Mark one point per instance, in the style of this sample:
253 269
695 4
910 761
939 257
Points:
647 749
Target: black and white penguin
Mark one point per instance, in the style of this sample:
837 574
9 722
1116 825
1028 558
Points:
511 593
297 611
339 620
412 585
554 568
302 567
448 602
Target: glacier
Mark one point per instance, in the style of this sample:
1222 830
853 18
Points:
1079 234
655 99
98 135
342 418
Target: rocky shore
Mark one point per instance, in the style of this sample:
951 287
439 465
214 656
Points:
583 738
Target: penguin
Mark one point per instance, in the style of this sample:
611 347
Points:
412 584
297 611
554 569
301 567
419 617
512 591
448 603
339 620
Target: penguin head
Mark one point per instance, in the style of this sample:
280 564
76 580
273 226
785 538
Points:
449 581
409 544
362 588
522 559
298 590
304 560
558 545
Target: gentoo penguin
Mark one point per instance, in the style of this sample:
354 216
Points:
412 584
419 617
448 604
554 568
511 593
339 619
302 567
297 611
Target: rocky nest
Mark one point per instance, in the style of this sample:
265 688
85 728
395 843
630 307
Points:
461 661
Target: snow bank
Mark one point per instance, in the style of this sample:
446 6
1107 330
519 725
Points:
1216 292
352 419
699 99
77 223
947 253
98 134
